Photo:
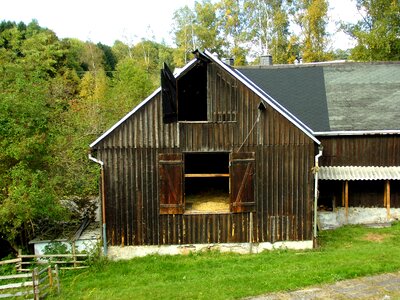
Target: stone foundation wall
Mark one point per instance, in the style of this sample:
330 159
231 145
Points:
356 215
128 252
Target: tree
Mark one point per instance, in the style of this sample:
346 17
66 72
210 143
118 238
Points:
206 28
184 37
30 59
269 28
378 32
312 18
130 86
109 59
234 25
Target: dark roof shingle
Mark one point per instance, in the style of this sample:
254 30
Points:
335 97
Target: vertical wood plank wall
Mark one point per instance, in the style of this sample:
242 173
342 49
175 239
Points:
378 150
284 181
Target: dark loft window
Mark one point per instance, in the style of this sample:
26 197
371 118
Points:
192 94
206 182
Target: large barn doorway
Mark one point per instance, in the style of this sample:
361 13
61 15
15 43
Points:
206 182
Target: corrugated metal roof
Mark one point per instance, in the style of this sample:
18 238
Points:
359 173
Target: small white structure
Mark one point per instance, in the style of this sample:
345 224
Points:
84 240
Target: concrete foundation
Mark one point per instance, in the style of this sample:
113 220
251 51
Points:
128 252
356 215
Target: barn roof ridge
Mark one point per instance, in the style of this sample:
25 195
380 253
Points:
331 63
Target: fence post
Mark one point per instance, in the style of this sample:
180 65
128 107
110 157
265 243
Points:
74 253
19 265
35 281
50 274
57 278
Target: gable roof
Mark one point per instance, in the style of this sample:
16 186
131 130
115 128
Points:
336 98
237 74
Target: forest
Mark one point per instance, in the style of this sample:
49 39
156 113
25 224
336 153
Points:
58 95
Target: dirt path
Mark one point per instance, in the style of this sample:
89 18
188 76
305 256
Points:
384 286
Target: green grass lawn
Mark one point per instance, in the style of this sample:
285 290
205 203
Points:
344 253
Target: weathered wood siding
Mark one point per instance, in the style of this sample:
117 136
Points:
367 150
283 179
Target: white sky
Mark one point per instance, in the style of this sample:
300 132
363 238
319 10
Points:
127 20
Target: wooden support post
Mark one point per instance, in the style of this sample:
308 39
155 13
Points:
346 199
334 203
343 188
74 253
35 281
50 274
251 233
19 265
387 198
57 278
384 195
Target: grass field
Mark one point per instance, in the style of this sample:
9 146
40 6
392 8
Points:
344 253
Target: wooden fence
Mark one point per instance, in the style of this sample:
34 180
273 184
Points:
65 261
37 283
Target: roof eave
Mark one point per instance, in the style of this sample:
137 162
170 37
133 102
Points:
356 132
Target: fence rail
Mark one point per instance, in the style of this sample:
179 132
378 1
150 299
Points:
65 261
37 283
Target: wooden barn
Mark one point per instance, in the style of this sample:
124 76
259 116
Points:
209 158
225 156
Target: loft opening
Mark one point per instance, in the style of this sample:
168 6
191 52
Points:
192 94
206 182
185 98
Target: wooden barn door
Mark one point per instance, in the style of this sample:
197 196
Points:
242 169
171 183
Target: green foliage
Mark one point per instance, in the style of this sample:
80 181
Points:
312 18
207 29
378 33
130 85
56 248
355 251
269 28
184 37
247 29
7 269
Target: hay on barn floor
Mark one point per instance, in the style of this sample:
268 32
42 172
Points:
207 202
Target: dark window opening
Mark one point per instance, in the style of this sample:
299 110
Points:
361 193
206 182
395 193
365 193
192 94
330 194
